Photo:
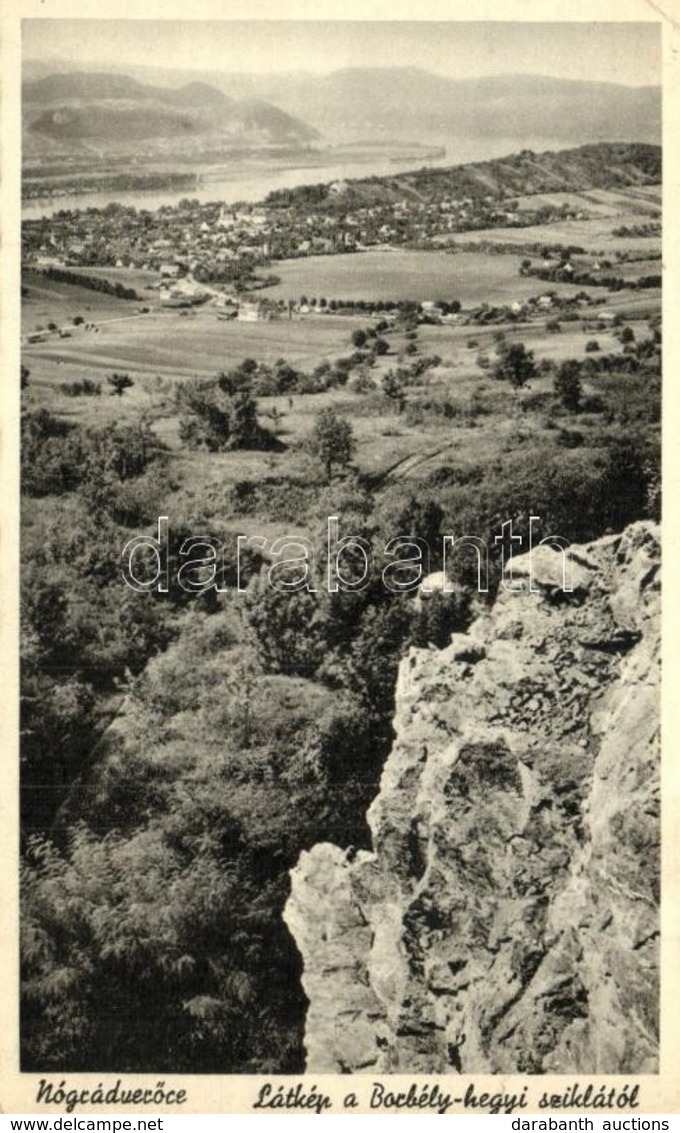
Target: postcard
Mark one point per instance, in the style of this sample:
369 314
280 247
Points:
338 413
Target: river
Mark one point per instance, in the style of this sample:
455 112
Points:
251 181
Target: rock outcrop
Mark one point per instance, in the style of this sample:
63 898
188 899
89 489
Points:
507 917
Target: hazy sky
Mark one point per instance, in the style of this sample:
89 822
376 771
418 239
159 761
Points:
612 52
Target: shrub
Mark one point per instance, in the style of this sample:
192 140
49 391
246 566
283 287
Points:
568 384
362 383
569 438
515 364
211 419
84 388
119 383
593 404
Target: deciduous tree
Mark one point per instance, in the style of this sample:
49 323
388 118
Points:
332 440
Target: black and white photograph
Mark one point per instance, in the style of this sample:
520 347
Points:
340 497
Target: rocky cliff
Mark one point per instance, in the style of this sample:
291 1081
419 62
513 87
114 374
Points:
507 917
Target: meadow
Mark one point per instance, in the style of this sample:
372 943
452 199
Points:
143 280
593 234
486 420
45 300
199 342
391 274
162 347
643 201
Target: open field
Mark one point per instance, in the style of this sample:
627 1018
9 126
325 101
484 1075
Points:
165 342
631 306
393 274
633 198
166 345
143 281
601 202
162 347
647 192
636 269
48 301
451 343
594 235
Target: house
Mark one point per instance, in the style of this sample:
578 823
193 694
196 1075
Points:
251 312
221 299
169 271
171 297
431 311
184 293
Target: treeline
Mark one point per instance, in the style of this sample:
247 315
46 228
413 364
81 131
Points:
377 306
92 282
531 248
653 228
259 379
111 182
81 388
584 278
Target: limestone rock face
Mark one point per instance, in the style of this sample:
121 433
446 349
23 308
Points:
507 917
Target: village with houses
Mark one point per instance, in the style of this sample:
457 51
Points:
218 241
229 256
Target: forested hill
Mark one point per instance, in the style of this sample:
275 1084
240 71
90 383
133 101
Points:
116 113
606 165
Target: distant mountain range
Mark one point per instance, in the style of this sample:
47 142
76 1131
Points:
98 110
406 101
354 103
